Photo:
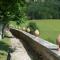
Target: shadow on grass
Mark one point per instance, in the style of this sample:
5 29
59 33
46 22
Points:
4 46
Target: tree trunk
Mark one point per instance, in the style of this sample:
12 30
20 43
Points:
3 30
5 26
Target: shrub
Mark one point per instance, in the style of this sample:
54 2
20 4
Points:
32 26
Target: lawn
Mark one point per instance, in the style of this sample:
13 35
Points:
49 29
4 47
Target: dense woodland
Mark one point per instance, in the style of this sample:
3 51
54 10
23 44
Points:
33 9
44 9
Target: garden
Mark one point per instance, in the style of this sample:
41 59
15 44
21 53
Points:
38 17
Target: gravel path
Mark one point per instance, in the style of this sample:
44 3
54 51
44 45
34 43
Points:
20 52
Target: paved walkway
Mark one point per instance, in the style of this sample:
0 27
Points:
21 50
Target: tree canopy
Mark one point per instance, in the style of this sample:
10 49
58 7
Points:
12 10
44 9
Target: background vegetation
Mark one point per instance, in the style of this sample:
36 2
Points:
44 9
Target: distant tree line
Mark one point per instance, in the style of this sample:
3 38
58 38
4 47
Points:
44 9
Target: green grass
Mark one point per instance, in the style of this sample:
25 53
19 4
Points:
49 29
4 47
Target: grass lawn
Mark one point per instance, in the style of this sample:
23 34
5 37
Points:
49 29
4 47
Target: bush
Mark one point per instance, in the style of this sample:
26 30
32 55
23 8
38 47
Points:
32 26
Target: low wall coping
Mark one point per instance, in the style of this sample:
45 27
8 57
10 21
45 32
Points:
50 46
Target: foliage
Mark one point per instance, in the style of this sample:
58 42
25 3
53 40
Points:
32 26
4 47
44 9
12 10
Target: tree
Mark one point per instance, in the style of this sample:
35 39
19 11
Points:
11 10
44 9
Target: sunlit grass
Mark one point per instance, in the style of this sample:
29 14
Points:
49 29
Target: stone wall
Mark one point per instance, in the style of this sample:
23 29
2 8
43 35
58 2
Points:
47 50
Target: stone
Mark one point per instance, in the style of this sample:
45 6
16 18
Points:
28 29
36 32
